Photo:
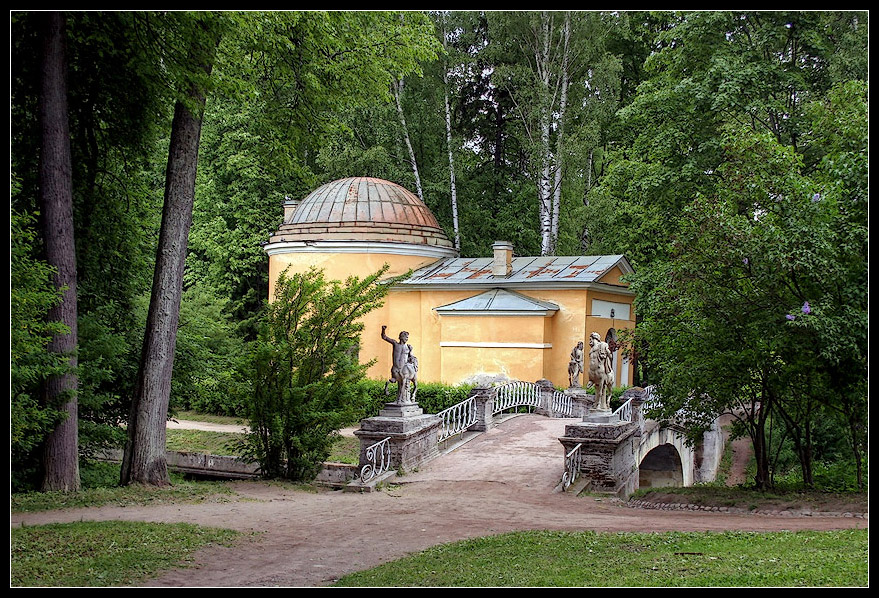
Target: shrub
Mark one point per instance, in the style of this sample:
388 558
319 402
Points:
305 372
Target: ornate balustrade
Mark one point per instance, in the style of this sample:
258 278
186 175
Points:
378 460
516 394
562 404
457 419
624 412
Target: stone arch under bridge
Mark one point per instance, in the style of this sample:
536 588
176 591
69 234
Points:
608 452
665 459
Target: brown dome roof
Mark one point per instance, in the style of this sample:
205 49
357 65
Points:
362 209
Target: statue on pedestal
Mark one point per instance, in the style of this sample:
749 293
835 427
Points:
601 371
404 368
575 366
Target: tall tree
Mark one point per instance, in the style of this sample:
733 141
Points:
452 186
317 86
722 197
564 77
144 457
536 79
60 453
404 131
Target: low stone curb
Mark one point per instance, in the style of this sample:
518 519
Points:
645 504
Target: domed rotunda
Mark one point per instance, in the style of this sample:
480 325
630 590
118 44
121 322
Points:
354 226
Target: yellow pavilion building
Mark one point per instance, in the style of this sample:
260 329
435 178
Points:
505 317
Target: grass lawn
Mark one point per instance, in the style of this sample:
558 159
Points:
203 441
209 418
105 553
557 559
100 486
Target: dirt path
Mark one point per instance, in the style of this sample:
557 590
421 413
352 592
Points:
311 539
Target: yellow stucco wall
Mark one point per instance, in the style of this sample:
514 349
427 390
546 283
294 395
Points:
437 340
338 266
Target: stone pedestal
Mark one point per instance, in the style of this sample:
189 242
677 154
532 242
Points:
601 416
404 411
609 454
581 401
413 435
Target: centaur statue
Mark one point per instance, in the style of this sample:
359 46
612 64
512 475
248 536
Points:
601 371
404 368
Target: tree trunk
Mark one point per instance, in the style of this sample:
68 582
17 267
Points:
451 158
60 451
544 184
397 90
761 446
144 458
563 102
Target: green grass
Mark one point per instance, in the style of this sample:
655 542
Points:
345 450
107 553
202 441
209 418
99 487
557 559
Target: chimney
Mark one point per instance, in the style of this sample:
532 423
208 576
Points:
503 258
290 206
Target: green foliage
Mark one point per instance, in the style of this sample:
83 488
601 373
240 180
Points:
305 371
740 197
592 559
287 82
32 293
207 356
105 553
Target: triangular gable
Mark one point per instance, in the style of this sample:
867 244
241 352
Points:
619 262
498 302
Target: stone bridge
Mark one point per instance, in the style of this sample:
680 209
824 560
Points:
611 452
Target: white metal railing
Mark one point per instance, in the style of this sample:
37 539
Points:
624 412
516 394
562 404
457 418
572 466
651 399
378 460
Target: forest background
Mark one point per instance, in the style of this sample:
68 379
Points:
724 153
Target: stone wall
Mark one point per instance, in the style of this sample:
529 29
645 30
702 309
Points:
608 455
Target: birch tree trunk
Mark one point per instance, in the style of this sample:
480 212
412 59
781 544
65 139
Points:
544 183
451 157
144 458
398 87
559 155
60 457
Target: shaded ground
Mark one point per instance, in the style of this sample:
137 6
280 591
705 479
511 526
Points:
501 481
